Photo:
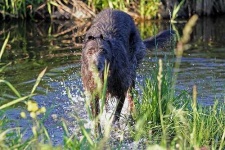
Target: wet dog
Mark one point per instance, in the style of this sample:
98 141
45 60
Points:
113 40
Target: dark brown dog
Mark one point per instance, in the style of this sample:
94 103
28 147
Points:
113 40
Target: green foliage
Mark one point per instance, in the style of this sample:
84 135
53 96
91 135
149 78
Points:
24 8
97 5
147 102
18 8
148 29
4 46
176 10
176 118
148 9
143 8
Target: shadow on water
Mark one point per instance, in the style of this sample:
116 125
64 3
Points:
34 46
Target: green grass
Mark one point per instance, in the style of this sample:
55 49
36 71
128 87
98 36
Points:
143 8
19 8
176 10
176 120
23 9
28 8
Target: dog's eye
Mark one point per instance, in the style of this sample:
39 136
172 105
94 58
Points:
91 38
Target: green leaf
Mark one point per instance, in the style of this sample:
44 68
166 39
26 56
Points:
4 45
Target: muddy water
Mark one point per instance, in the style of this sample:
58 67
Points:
34 46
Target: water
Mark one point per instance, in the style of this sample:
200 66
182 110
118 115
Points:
34 46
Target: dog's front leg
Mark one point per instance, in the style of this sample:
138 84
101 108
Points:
95 113
119 108
130 98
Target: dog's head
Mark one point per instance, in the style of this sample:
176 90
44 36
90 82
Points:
97 53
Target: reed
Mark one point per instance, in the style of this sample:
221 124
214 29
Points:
14 9
176 9
28 8
142 9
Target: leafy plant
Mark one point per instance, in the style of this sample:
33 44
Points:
141 9
176 9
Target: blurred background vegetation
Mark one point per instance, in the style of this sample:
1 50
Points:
139 9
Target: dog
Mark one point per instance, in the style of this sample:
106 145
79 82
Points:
113 40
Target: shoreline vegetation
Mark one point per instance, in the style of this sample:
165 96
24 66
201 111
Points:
81 10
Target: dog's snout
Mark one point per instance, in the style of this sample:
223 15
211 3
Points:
98 65
99 68
98 62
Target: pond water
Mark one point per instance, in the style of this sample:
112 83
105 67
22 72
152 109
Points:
34 46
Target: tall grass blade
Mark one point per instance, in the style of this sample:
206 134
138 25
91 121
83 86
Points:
180 47
176 10
15 101
84 131
87 135
38 80
159 78
195 115
49 7
107 129
65 128
103 97
46 133
3 67
11 87
3 134
4 45
222 144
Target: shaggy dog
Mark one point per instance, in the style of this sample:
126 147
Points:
113 40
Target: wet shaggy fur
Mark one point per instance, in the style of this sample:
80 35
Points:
113 38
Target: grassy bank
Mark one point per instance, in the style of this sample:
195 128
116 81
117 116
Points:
141 9
57 9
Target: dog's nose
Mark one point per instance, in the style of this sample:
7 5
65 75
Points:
99 67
